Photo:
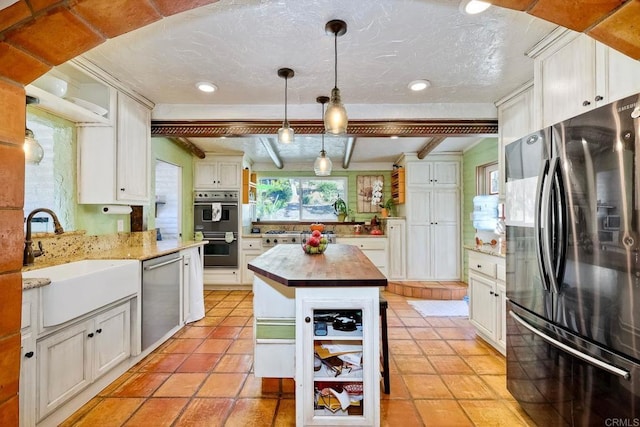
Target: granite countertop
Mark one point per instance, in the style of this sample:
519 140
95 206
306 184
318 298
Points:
139 253
485 249
339 265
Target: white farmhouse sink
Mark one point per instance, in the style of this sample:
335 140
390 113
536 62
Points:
80 287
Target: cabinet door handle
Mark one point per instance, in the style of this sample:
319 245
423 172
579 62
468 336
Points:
496 294
122 189
479 266
99 331
307 319
28 354
598 98
586 103
491 292
90 335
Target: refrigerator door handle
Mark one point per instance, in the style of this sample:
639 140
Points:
541 207
580 355
550 222
560 227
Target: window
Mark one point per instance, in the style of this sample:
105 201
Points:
487 178
299 199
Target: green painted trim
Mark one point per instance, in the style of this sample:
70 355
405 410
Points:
284 329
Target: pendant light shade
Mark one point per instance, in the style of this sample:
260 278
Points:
285 133
335 119
33 151
323 164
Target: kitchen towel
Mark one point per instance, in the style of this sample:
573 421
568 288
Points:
216 212
196 287
228 237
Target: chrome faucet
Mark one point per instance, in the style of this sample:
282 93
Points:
29 254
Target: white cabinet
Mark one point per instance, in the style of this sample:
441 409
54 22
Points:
437 173
27 359
375 248
72 358
433 219
433 222
327 393
223 173
114 162
487 299
574 74
515 120
251 248
396 266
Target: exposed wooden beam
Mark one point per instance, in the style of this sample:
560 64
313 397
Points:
189 146
429 146
357 128
268 145
348 152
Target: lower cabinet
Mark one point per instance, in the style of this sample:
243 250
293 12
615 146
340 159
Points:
251 248
375 248
72 358
396 267
337 357
487 299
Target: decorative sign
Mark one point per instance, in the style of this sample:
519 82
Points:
370 194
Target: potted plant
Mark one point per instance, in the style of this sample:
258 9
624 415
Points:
387 208
340 207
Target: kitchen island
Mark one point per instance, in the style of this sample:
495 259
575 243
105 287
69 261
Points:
316 319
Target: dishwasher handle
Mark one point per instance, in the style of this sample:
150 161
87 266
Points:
162 264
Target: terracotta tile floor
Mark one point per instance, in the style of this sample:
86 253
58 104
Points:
441 375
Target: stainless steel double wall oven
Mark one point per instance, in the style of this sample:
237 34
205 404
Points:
216 217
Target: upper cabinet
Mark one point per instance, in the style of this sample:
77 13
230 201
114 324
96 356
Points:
438 173
574 74
114 161
515 120
223 172
74 90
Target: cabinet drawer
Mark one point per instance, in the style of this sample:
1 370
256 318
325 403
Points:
367 243
482 264
252 244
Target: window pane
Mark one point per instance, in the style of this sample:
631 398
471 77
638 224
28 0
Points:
278 199
299 199
318 196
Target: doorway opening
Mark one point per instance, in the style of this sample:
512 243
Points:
168 186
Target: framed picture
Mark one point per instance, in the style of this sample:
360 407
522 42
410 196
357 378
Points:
370 193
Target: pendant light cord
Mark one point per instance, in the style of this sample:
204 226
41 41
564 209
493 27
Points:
322 132
335 57
286 90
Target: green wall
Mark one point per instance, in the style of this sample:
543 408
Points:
351 192
486 151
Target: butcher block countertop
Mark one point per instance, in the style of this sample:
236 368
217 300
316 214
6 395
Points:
339 265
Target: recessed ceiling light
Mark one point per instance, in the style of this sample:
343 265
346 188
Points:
206 87
417 85
473 7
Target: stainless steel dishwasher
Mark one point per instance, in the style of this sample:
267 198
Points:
160 297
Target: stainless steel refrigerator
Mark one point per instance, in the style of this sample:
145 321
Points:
573 269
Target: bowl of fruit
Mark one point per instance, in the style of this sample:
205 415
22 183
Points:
314 242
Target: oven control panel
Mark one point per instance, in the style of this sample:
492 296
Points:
216 196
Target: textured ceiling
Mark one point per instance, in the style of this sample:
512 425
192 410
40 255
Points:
240 44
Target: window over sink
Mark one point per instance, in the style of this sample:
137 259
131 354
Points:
300 198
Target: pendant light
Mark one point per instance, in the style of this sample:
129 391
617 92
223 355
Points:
285 133
323 165
33 151
335 119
